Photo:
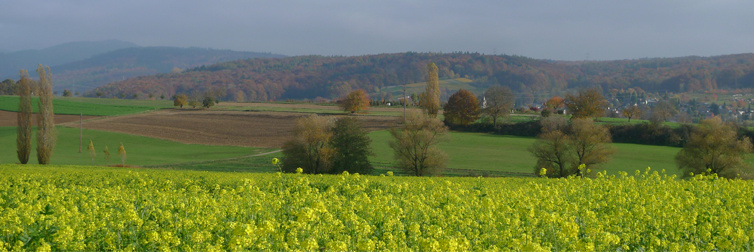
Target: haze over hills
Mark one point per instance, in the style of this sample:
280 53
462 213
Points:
125 63
81 66
12 62
309 77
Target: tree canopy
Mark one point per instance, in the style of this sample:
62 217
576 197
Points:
588 103
415 142
462 108
356 101
713 147
498 102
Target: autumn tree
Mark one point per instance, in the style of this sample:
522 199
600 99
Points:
415 144
309 149
431 100
122 154
631 112
555 103
562 150
107 153
462 108
351 144
23 140
499 102
92 152
356 101
714 146
180 100
46 135
589 103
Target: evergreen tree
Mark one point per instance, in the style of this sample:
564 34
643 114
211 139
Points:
352 147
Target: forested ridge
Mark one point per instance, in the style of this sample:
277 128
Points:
309 77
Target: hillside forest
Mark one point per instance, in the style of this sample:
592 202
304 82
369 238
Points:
533 81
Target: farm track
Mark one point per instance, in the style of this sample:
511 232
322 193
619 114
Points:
213 127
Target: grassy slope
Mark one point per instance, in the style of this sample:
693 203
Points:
419 87
90 106
486 152
140 150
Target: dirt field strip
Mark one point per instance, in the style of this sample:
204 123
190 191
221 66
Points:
213 127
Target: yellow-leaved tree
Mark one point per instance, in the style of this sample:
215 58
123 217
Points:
431 99
356 101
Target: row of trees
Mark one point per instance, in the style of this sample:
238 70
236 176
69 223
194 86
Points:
183 100
46 135
322 144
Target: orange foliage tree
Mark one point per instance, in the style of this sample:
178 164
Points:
462 108
356 101
555 103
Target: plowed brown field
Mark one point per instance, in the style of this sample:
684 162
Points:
238 128
8 118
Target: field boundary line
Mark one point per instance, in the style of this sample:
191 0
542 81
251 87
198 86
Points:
216 160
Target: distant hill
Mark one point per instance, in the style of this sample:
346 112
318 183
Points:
125 63
331 77
12 62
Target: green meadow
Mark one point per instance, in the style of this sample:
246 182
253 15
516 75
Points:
140 151
90 106
501 153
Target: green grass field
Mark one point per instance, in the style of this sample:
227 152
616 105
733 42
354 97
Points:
141 151
419 87
479 152
90 106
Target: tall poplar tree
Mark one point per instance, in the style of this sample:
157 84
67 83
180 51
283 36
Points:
46 135
431 101
23 141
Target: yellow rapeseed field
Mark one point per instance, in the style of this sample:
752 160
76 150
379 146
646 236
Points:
95 208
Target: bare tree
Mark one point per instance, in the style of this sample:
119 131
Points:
23 141
590 143
46 135
553 153
663 110
500 101
561 151
415 144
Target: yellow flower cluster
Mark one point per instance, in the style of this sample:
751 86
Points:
86 208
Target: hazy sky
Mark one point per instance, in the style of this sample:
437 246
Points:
547 29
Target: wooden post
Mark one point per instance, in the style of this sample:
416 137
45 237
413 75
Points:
81 131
